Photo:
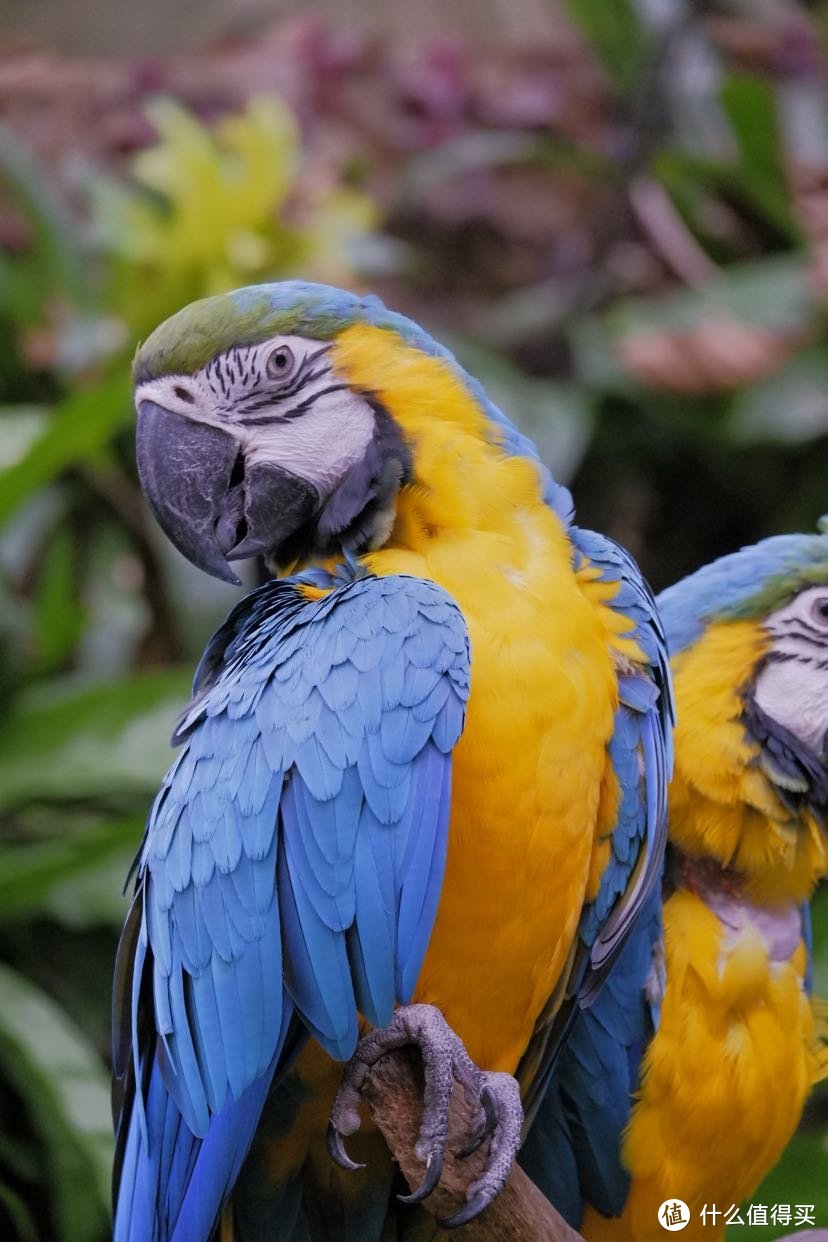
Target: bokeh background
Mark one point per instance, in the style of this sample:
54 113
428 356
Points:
615 210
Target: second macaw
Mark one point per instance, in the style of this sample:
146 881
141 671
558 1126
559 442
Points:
332 841
688 1076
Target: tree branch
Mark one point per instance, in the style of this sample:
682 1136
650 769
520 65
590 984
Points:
393 1093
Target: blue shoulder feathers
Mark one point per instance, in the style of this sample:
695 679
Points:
290 872
598 1033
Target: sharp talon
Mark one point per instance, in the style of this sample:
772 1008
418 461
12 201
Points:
468 1212
434 1167
491 1108
336 1149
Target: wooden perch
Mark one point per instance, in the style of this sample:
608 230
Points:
520 1213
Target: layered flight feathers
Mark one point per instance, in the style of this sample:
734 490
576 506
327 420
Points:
575 1151
640 757
747 584
292 863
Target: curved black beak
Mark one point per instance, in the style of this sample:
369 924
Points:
214 510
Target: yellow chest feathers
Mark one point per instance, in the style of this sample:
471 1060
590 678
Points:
530 789
722 805
727 1073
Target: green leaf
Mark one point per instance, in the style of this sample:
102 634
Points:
790 407
68 743
20 425
773 293
819 927
55 261
616 34
62 1081
16 1211
750 105
45 876
58 616
79 428
94 895
799 1177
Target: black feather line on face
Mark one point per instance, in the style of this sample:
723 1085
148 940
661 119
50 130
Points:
360 504
264 398
793 758
294 412
349 516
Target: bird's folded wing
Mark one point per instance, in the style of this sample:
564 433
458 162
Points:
291 868
640 754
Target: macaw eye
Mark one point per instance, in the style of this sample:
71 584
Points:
819 610
281 363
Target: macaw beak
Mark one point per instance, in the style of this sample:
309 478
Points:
206 501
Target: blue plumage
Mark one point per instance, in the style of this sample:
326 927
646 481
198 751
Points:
322 312
294 859
573 1150
291 868
578 1113
738 585
641 753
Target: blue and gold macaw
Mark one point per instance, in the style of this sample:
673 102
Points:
428 765
688 1076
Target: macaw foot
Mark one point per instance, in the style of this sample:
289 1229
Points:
494 1099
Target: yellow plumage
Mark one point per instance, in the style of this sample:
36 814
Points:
738 1046
722 805
530 768
534 796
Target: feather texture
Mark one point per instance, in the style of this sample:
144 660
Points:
640 758
290 872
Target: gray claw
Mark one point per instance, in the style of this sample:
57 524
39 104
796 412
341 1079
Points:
491 1108
494 1099
336 1149
434 1169
468 1211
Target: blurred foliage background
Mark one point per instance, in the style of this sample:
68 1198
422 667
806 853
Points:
616 212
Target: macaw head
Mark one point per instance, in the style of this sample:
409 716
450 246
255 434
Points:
748 637
284 419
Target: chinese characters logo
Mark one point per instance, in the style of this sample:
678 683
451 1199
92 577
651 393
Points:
673 1215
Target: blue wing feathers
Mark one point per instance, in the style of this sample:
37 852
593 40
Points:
293 860
582 1116
371 940
588 1104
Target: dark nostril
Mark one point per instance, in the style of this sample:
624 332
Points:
184 394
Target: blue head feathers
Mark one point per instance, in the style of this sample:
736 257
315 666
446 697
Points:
743 585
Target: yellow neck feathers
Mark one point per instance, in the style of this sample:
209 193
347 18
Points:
462 478
722 805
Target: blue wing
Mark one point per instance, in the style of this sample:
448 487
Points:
641 751
578 1093
289 876
573 1149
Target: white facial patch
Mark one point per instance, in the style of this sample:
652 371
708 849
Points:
792 687
283 403
187 395
797 697
320 446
